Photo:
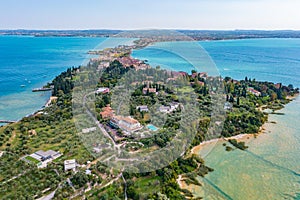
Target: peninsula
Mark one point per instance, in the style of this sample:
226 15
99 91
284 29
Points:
43 155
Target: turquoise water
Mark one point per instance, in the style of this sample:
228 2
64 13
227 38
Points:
270 168
30 62
152 127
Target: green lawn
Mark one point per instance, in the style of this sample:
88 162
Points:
147 185
32 160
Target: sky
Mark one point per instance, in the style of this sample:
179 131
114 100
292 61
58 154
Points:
150 14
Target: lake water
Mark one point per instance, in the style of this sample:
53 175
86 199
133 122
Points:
31 62
270 168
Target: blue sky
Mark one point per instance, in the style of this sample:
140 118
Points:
144 14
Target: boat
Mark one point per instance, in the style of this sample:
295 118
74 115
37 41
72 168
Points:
22 85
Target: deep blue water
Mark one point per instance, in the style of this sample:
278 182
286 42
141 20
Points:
276 60
31 62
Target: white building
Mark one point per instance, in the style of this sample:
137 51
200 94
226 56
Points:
102 90
45 157
170 108
142 108
70 165
127 124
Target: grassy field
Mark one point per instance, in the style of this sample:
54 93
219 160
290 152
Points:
32 160
147 185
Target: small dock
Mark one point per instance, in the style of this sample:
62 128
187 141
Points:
41 89
7 121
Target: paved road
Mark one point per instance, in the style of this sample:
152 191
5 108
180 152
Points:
49 196
105 133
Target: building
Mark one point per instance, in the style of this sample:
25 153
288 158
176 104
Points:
45 155
254 92
228 106
70 165
142 108
164 109
88 172
170 108
149 90
174 105
102 90
107 112
127 124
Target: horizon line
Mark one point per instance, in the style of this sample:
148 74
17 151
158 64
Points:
179 29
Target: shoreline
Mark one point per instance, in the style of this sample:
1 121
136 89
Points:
242 137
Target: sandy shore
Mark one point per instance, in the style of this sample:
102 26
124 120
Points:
241 137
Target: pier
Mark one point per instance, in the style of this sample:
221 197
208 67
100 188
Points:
41 89
7 121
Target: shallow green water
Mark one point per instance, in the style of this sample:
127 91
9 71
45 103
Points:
269 169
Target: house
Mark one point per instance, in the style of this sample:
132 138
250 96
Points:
170 108
45 155
174 105
254 92
149 90
142 108
228 106
102 90
107 112
127 124
70 165
164 109
88 172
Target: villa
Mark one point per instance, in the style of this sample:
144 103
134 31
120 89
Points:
254 92
170 108
45 157
149 90
70 165
127 124
107 112
142 108
102 90
228 106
